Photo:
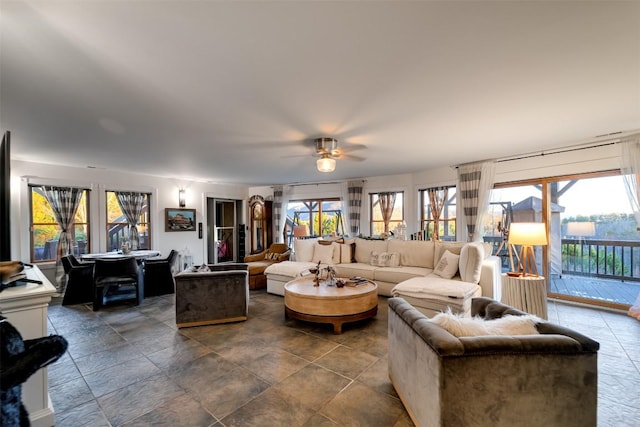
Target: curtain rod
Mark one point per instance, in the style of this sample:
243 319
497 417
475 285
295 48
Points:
321 182
599 141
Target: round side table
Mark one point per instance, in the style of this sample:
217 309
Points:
527 293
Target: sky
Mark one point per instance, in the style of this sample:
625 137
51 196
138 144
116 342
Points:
591 196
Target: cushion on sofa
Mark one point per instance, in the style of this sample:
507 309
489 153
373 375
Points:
365 247
323 253
470 263
435 286
399 274
441 247
461 326
347 252
356 269
447 267
303 249
417 253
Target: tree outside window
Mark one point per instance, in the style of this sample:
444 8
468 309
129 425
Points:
45 229
323 216
376 223
447 221
118 227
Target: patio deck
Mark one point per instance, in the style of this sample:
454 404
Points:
597 289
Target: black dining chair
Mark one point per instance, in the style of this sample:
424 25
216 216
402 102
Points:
158 275
116 280
79 288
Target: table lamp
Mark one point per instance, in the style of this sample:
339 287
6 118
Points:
527 235
581 229
300 231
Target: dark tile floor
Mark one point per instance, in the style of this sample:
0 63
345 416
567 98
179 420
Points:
130 366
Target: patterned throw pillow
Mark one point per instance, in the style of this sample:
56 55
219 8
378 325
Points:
447 267
389 259
373 260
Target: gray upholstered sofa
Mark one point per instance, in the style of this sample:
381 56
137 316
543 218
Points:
219 295
545 379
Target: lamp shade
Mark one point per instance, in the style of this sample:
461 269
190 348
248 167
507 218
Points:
326 164
581 229
300 230
527 233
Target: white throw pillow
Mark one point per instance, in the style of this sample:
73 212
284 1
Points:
373 259
470 265
447 267
336 253
460 326
323 253
346 253
303 248
388 259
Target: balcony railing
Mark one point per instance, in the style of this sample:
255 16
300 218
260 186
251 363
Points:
611 259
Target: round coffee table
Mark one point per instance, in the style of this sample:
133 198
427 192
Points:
330 304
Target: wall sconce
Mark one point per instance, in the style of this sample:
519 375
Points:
326 164
182 198
527 235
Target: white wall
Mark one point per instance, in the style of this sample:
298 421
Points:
164 195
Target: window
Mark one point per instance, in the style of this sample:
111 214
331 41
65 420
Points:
377 222
45 230
593 253
118 227
322 216
447 221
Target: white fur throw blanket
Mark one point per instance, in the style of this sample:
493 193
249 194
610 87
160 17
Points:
460 326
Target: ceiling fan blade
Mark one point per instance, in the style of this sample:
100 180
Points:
349 157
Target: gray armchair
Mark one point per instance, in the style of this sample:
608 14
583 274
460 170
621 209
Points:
220 295
545 379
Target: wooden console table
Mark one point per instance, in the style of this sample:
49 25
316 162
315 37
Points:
25 306
526 293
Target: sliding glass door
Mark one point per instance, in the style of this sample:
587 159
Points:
593 253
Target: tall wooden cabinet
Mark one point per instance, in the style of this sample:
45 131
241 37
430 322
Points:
260 224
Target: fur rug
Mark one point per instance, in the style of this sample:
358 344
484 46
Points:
460 326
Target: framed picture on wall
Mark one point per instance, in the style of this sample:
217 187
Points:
179 219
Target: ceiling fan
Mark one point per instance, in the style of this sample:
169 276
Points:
328 152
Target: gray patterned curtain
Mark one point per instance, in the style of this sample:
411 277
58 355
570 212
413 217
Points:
64 203
277 213
354 192
132 204
386 201
475 181
437 199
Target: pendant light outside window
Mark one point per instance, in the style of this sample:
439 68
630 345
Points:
326 163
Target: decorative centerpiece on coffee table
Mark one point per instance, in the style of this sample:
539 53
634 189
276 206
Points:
316 272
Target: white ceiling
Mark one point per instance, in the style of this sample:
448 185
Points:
233 91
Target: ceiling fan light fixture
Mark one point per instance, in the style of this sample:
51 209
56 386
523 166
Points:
326 164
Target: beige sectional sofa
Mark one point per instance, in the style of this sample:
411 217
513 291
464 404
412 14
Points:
393 262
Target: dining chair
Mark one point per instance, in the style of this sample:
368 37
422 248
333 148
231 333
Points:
158 275
79 288
116 280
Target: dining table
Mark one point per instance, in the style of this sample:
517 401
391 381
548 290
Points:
139 255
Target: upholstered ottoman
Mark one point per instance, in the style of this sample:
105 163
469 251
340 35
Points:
432 294
283 272
217 296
